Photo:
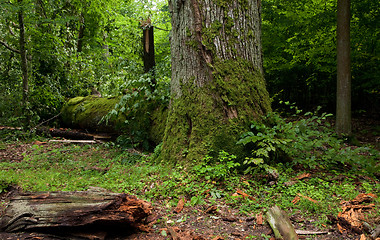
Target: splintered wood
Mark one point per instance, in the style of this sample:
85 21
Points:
65 210
353 213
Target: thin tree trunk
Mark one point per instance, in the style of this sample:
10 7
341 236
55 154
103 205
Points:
24 64
217 84
343 107
81 33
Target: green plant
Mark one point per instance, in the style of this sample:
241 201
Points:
217 169
307 140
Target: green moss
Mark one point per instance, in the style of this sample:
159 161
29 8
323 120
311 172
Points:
201 123
240 85
86 112
75 100
209 119
193 44
158 122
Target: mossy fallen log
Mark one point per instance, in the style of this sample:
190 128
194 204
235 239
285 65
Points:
63 212
146 123
87 113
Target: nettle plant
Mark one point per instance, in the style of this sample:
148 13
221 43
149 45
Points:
305 139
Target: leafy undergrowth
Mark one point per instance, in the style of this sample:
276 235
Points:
311 196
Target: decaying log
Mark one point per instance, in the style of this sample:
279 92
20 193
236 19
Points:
62 211
281 225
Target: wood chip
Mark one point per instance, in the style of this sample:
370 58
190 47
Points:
306 232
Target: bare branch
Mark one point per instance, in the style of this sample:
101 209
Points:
9 47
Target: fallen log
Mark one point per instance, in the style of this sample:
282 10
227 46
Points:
62 212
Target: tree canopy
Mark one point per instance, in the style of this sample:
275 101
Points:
72 46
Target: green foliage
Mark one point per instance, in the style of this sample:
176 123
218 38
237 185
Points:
223 167
141 98
110 53
299 46
307 140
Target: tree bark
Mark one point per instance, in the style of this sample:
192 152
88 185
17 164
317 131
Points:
61 211
148 50
81 33
217 84
343 106
24 65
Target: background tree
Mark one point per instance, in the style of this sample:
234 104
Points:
343 107
299 45
217 85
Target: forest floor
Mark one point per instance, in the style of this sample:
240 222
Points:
219 212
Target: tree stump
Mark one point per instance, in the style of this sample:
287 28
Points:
66 211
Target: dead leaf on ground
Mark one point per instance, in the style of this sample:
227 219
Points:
259 218
296 199
218 238
211 209
302 176
39 143
308 198
243 194
180 205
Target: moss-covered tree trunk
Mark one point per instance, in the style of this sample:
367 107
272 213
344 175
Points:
217 83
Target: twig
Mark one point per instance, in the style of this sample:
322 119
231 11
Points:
9 47
38 125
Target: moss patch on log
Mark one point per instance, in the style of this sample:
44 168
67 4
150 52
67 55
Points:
146 123
87 112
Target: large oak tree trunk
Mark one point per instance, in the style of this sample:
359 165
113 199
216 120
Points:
217 82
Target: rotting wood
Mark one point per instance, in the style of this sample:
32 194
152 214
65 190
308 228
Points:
306 232
75 141
64 211
376 232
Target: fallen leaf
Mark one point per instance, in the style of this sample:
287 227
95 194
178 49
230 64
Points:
308 198
180 205
211 209
218 238
229 219
259 218
245 195
362 237
302 176
341 229
39 143
296 199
